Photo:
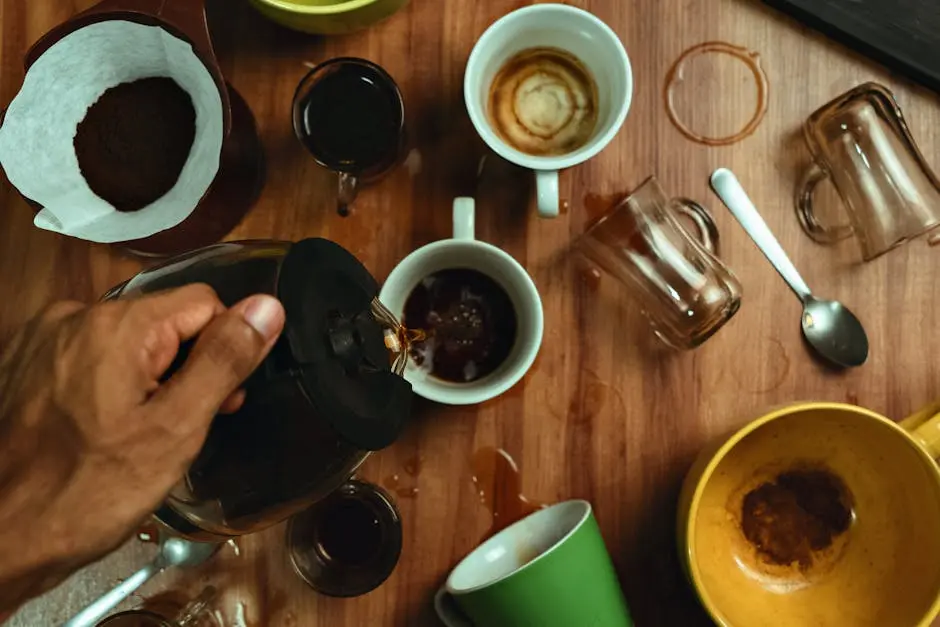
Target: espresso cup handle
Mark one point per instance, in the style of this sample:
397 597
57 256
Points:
546 187
703 220
448 611
819 233
464 218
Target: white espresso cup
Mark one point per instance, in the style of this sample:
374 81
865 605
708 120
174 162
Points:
464 252
576 32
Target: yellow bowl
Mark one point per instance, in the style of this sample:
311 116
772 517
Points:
328 17
878 565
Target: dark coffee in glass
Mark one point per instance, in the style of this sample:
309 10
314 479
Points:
349 114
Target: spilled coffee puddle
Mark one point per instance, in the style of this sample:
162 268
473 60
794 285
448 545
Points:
716 93
498 482
797 517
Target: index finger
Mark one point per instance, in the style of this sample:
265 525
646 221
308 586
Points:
173 317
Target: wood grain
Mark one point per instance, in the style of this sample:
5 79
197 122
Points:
605 414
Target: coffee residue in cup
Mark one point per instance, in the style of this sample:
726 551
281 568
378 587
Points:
544 102
134 141
797 515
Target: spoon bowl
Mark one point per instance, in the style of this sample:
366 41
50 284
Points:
834 332
185 553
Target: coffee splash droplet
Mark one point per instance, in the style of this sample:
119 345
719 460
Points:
412 465
406 487
592 278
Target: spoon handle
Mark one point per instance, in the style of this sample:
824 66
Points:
90 616
729 189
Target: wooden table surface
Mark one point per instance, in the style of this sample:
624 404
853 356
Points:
604 415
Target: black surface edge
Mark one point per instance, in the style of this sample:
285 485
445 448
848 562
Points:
823 18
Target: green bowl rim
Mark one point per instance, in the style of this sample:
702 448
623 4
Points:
327 9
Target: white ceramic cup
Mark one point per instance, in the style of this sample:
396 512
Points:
463 251
556 26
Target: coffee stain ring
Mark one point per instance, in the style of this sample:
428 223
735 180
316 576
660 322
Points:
750 58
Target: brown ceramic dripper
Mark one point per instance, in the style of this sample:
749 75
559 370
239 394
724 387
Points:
240 173
861 142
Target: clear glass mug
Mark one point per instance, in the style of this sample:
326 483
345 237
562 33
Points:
861 143
350 115
685 292
198 613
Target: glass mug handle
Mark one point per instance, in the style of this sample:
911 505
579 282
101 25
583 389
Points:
818 232
195 612
704 223
348 190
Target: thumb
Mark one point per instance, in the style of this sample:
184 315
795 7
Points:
227 351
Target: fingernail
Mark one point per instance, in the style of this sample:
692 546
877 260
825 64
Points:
265 315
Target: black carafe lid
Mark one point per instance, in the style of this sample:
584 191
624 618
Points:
338 347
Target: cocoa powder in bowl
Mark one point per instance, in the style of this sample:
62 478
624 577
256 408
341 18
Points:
135 140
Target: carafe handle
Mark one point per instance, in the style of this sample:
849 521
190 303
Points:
818 232
183 18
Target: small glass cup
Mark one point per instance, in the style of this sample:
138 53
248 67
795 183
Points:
347 544
685 292
861 142
196 614
350 115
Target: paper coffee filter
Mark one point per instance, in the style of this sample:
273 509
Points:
36 139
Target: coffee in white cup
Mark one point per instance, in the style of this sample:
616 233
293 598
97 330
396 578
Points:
463 252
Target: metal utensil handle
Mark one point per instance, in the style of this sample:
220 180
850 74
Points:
90 616
729 189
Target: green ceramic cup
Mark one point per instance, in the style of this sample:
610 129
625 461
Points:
550 569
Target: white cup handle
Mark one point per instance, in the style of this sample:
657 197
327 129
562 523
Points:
464 218
546 187
447 610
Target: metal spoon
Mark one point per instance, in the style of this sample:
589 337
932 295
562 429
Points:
828 326
173 552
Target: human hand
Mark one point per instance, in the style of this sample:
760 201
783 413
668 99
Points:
91 440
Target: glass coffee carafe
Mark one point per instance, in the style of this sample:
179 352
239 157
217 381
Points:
328 394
